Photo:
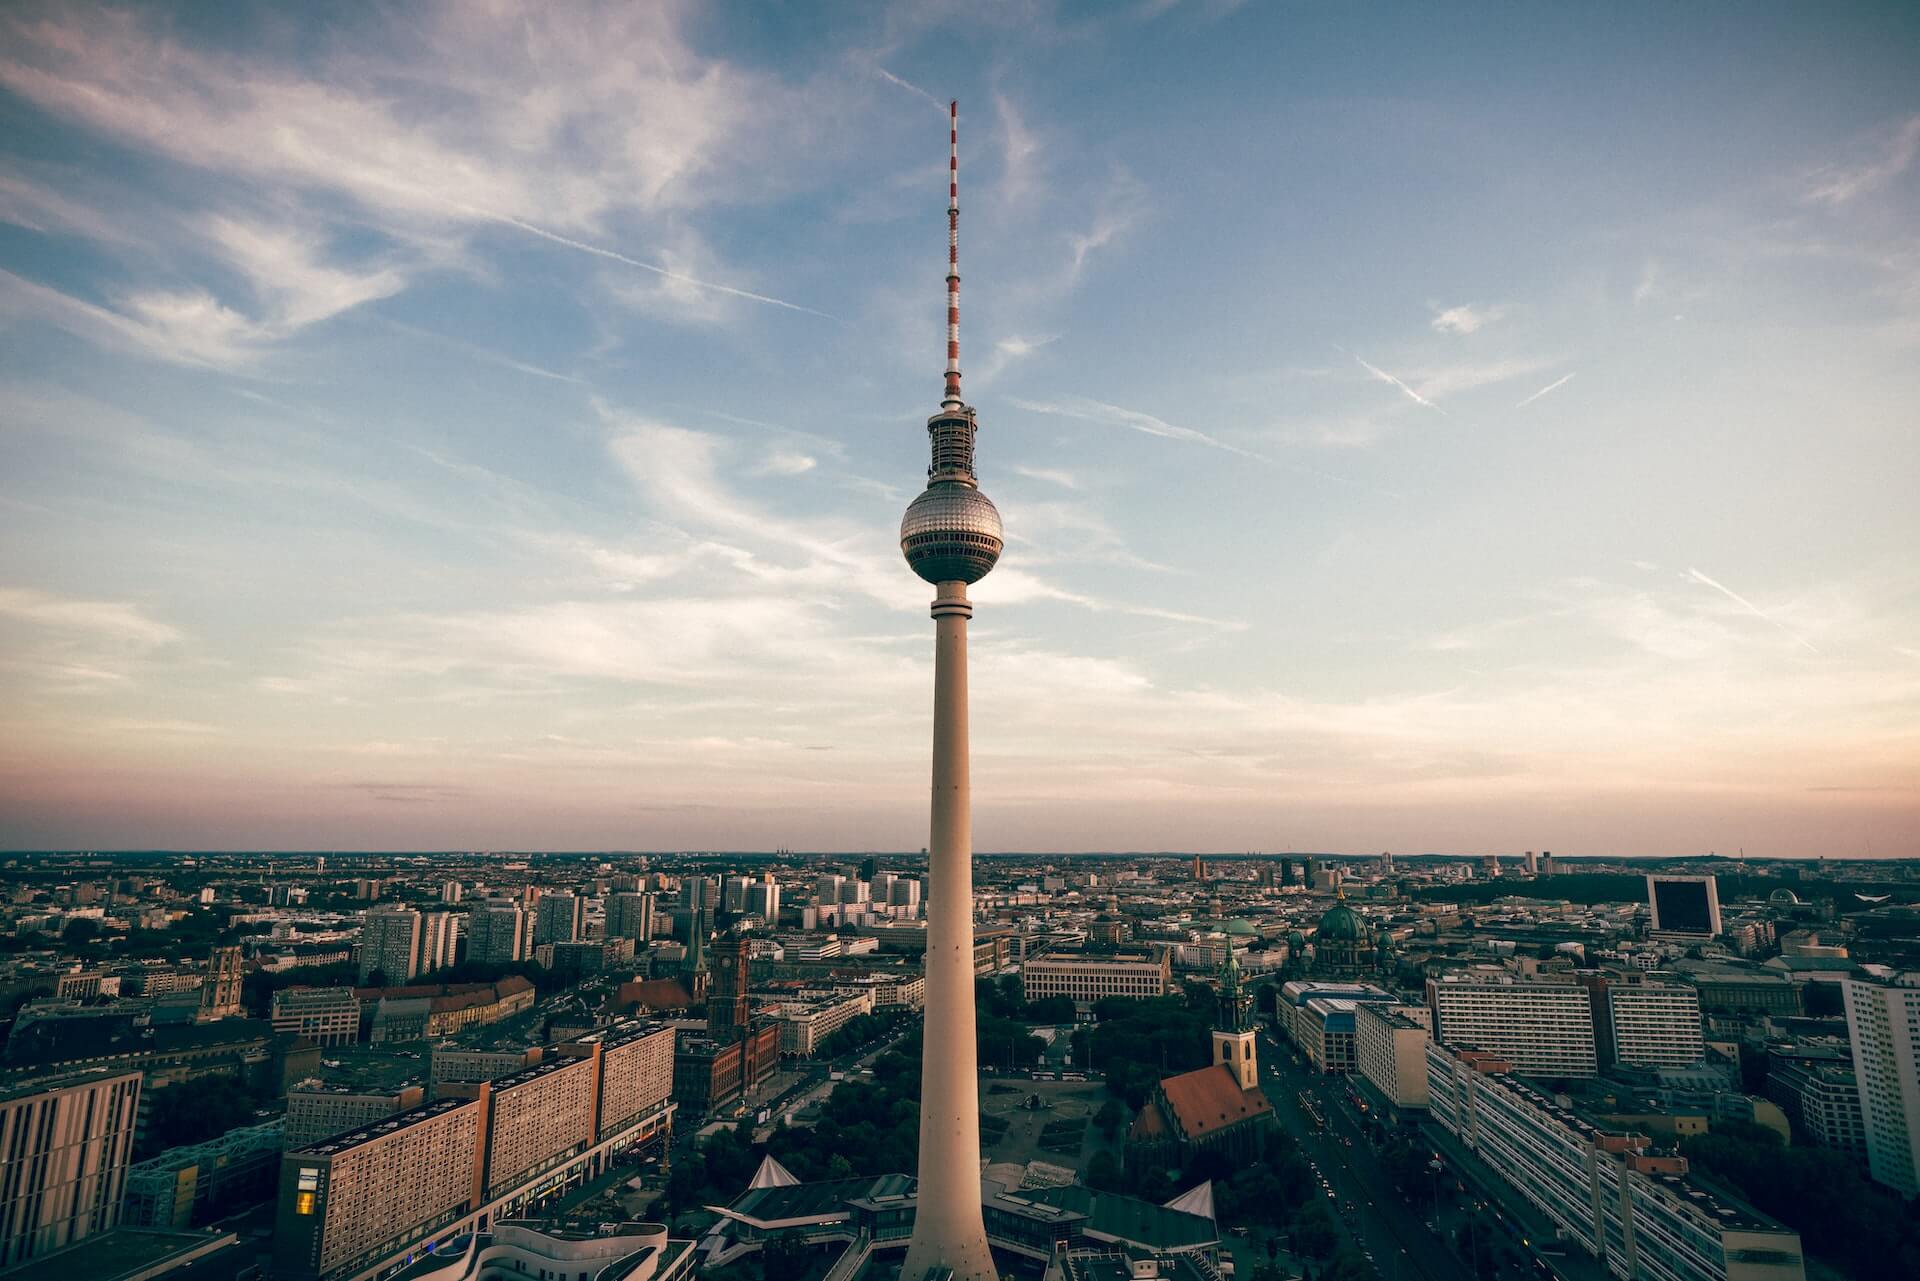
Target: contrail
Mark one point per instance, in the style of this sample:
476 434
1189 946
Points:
890 78
1388 378
1750 607
1552 386
657 270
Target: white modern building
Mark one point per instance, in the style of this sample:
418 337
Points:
1610 1193
1543 1029
324 1015
1390 1050
1655 1024
1087 979
1883 1023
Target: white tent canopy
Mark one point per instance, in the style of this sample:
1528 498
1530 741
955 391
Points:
1195 1200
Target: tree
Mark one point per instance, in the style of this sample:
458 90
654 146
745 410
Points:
1314 1232
79 932
1109 1117
1104 1173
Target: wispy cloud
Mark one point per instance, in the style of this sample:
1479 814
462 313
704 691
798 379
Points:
1838 184
1466 318
1555 385
1761 614
1095 411
908 85
1053 476
1387 378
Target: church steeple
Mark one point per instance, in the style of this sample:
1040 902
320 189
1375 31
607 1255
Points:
1233 1046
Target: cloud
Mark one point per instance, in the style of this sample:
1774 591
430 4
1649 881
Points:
1094 411
911 88
1838 184
1555 385
1053 476
1006 352
1466 318
1385 377
551 122
1020 154
1648 288
783 462
1698 577
116 621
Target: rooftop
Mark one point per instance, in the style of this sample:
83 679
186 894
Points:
1209 1099
381 1129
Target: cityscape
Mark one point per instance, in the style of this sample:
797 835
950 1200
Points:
491 845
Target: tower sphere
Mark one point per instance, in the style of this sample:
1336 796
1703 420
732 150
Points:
951 533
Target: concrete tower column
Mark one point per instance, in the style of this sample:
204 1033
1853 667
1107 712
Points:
948 1231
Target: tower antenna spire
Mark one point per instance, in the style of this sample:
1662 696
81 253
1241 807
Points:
952 398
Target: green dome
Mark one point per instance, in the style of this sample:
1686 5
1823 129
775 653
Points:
1296 940
1341 922
1237 928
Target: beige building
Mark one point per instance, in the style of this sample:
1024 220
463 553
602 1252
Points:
539 1118
67 1142
805 1024
446 1063
1390 1051
324 1015
316 1111
1654 1024
351 1201
636 1071
1087 979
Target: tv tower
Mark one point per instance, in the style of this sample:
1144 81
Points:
951 537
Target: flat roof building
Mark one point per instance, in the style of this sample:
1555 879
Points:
1544 1029
67 1142
1087 979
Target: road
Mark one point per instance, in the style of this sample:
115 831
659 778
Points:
1393 1233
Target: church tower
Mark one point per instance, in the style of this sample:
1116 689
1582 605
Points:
1233 1046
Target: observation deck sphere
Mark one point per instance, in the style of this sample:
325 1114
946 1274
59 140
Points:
951 534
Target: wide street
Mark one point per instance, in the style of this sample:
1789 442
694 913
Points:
1382 1223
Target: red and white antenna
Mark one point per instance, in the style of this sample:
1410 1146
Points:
952 398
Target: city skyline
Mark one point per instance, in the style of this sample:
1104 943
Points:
456 428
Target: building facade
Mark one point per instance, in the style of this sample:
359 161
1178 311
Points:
1544 1029
316 1111
1390 1051
1087 979
1883 1024
1607 1192
390 944
324 1015
1654 1024
66 1144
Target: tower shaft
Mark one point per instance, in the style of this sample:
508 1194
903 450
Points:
948 1231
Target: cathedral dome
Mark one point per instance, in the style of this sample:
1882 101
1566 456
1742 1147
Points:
1341 922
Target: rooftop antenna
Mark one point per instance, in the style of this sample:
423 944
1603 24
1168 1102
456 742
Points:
952 398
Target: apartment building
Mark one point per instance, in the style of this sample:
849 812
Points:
449 1064
1654 1024
1087 979
498 933
1608 1192
636 1071
558 918
804 1025
538 1118
1883 1024
324 1015
1319 1018
390 944
316 1111
349 1202
66 1143
1543 1028
630 916
1390 1051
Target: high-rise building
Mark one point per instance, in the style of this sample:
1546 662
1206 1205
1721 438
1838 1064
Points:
558 918
1390 1050
220 993
630 916
350 1201
951 536
324 1015
1653 1025
67 1144
390 944
439 941
763 899
452 891
1542 1029
1532 864
1883 1023
1683 906
498 934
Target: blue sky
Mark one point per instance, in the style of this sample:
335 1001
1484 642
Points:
1417 427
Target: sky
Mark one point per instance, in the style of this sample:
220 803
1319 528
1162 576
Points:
1417 428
